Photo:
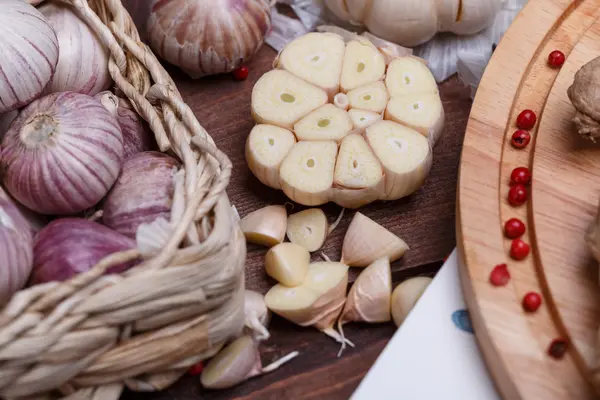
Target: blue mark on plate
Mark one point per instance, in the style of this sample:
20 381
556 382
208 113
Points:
462 321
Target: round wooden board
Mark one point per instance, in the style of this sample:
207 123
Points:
564 196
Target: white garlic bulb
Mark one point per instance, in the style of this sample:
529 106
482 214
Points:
208 37
83 59
29 50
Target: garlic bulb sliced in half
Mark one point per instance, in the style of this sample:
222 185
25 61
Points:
361 119
356 166
366 241
308 228
363 64
405 155
409 75
371 97
422 112
325 123
307 172
266 148
281 98
316 58
265 226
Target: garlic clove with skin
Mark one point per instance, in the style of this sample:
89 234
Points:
406 295
363 64
366 241
257 315
371 97
265 226
408 75
287 263
422 112
266 148
356 166
325 123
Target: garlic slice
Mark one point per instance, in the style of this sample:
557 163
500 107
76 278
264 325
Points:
265 226
405 155
316 58
371 97
356 166
307 172
325 123
422 112
366 241
363 64
409 75
361 119
281 98
266 148
308 228
287 263
406 295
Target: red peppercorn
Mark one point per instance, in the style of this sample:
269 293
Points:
526 119
196 369
517 195
532 301
500 275
519 249
520 175
558 348
520 139
240 73
514 228
556 58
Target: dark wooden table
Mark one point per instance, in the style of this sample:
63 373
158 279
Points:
424 220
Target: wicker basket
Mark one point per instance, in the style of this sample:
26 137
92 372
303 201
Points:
89 337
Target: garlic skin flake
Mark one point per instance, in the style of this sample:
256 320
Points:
257 315
214 37
29 49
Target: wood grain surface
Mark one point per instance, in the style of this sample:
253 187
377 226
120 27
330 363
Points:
424 220
563 199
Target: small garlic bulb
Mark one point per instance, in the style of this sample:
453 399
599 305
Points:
208 37
29 50
83 59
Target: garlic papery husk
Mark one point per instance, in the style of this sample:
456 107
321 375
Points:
142 194
406 295
213 37
265 226
236 363
366 241
29 50
16 249
83 59
69 246
77 144
257 315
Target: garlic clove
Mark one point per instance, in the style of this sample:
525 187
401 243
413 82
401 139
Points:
306 174
232 365
357 9
363 64
406 295
287 263
371 97
265 226
339 9
257 315
266 148
405 155
409 75
366 241
356 166
316 58
281 98
466 17
361 119
341 101
308 228
325 123
422 112
5 120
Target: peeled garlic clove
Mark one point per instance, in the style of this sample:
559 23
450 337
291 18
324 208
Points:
308 228
408 75
356 166
422 112
287 263
405 155
281 98
371 97
257 315
306 175
265 226
406 295
366 241
316 58
361 119
266 148
325 123
341 101
363 64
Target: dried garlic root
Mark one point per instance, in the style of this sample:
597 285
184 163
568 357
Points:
287 263
257 315
265 226
366 241
237 362
317 302
266 148
309 228
406 295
